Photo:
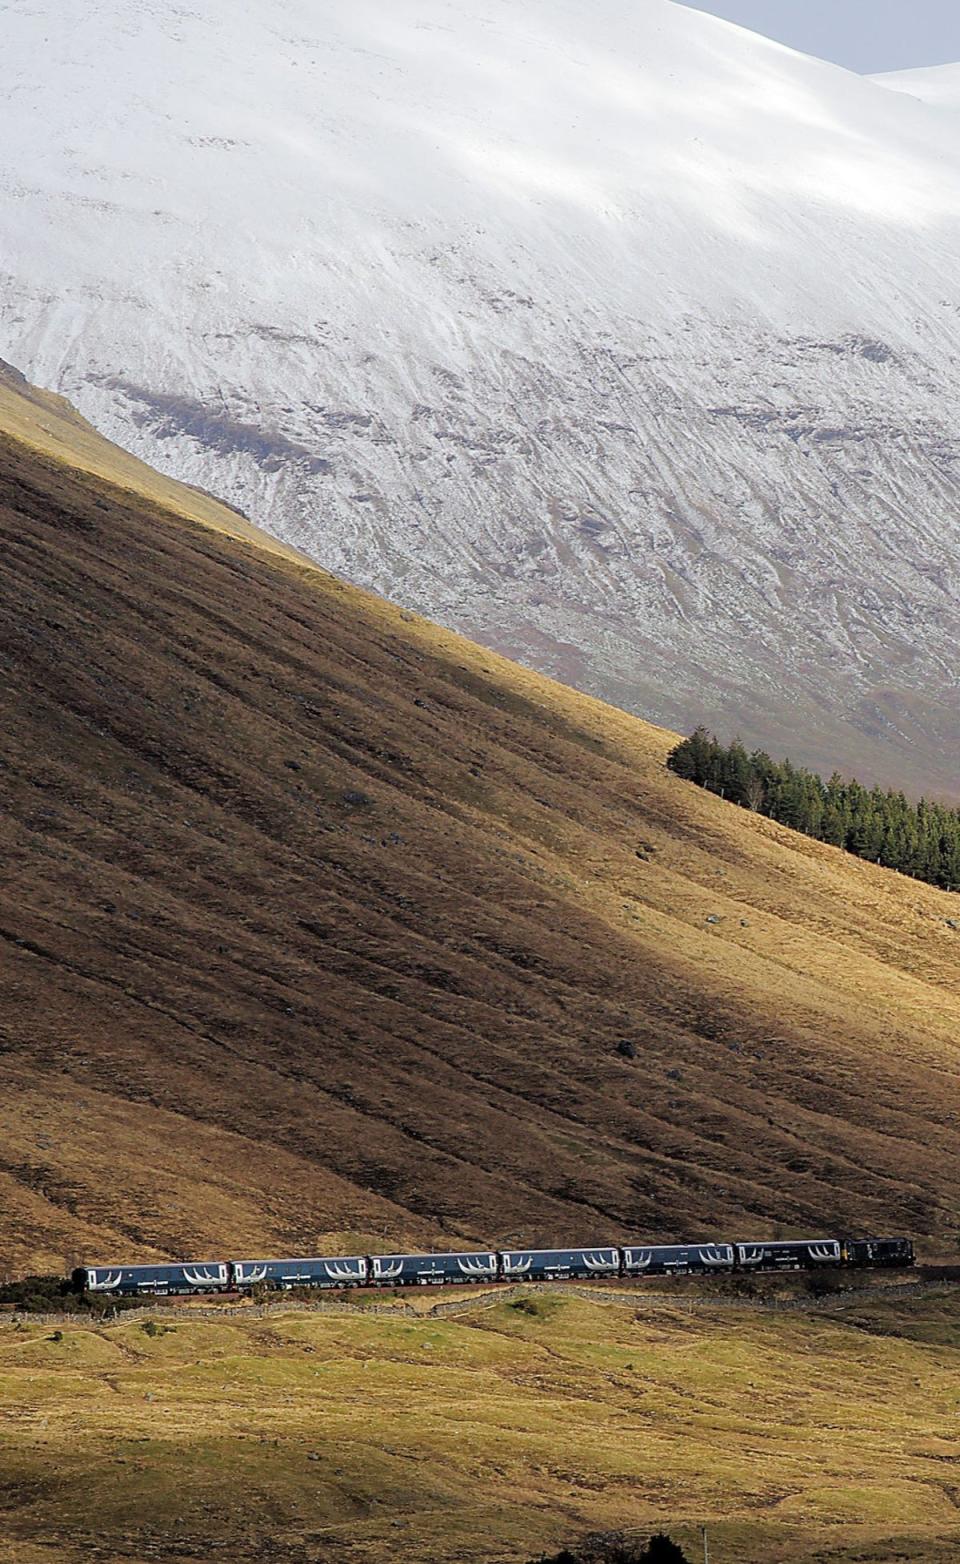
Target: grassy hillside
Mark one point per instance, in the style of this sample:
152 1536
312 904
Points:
301 1437
319 925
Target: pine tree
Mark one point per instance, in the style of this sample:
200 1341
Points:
693 758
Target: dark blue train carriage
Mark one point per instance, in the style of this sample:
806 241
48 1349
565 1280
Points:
676 1259
157 1281
559 1265
281 1275
432 1270
807 1254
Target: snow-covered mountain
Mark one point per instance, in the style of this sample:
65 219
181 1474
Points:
940 84
602 329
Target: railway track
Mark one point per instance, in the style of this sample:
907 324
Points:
942 1280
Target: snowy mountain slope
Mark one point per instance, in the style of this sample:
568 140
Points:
601 329
939 84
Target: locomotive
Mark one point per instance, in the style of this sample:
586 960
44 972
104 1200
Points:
459 1268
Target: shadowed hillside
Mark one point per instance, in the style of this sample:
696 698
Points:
319 924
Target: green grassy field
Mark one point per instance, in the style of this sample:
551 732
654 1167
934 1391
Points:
302 1436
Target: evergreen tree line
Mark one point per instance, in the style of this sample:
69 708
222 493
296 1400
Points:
922 840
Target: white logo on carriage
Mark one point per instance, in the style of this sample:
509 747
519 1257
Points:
387 1270
484 1267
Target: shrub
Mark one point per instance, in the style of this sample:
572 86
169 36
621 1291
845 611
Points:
615 1547
40 1295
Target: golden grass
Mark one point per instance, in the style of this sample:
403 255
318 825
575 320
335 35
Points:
486 1437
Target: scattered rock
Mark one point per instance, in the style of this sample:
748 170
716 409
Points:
626 1049
713 918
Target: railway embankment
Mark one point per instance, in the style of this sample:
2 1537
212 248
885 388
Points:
781 1294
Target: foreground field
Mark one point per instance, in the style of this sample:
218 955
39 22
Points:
302 1437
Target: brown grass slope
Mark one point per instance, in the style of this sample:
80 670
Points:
321 925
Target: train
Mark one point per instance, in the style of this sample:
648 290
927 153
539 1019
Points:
490 1266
